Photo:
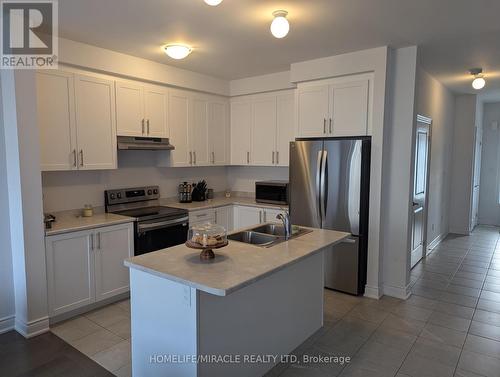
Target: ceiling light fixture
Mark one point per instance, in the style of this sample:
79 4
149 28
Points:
280 25
479 82
177 51
213 3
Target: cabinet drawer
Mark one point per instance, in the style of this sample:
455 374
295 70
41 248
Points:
203 216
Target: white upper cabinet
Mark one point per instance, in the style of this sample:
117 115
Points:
56 120
218 132
141 110
198 128
262 127
178 115
95 123
263 142
284 128
334 107
241 125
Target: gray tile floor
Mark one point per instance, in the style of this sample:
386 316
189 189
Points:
450 326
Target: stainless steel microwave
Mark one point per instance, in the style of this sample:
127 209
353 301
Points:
274 192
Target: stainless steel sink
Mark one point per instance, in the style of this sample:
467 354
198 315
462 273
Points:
279 231
253 238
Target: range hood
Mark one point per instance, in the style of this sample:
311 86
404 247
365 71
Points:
143 143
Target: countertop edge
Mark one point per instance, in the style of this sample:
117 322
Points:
49 233
225 292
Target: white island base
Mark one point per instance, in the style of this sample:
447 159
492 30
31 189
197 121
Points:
173 322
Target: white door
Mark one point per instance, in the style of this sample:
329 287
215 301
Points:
312 111
284 128
129 109
241 124
349 109
247 216
178 115
477 177
113 245
95 122
56 120
155 111
70 271
420 193
218 132
223 217
263 144
198 127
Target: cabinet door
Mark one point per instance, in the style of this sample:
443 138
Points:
178 108
247 216
198 127
70 271
129 109
113 245
270 215
312 111
263 143
284 128
241 124
224 217
202 216
155 110
95 123
56 120
218 133
349 108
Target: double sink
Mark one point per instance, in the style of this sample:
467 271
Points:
266 235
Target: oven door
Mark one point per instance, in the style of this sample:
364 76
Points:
159 234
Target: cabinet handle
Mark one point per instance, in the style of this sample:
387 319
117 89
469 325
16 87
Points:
330 128
260 217
277 157
99 240
265 216
324 125
74 158
142 124
273 157
248 157
190 158
216 217
92 241
147 123
213 157
81 157
194 159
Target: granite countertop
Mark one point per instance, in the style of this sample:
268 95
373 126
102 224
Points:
71 221
219 202
235 266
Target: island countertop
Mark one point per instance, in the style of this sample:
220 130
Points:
236 265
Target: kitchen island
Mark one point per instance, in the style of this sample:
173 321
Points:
232 316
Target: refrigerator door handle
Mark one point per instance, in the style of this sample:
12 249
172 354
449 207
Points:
324 181
318 184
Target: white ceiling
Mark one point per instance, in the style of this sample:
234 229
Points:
233 40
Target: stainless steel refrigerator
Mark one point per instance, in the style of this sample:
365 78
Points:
329 189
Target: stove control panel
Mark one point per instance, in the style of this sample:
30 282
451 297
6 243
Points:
130 195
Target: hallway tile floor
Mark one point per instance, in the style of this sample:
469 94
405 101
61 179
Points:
450 326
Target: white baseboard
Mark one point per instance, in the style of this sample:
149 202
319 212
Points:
398 292
32 328
436 241
464 232
6 324
372 292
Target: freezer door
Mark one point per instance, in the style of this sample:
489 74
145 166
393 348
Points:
305 169
342 185
341 266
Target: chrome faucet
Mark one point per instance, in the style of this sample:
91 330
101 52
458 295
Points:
287 225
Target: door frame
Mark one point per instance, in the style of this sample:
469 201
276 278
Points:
422 119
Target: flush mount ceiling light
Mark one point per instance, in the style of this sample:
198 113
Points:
213 3
280 25
177 51
479 82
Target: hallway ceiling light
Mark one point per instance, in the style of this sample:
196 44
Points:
177 51
213 3
479 82
280 25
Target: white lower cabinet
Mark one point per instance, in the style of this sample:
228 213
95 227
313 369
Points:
202 216
224 217
247 216
87 266
270 215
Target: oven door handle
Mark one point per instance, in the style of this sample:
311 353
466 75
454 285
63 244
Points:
161 224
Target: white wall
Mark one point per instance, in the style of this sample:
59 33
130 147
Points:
7 308
243 178
462 164
72 189
437 103
489 207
